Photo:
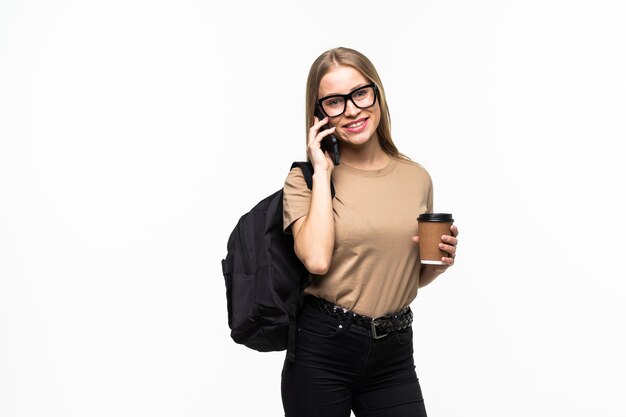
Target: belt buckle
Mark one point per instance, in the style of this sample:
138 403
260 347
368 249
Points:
375 335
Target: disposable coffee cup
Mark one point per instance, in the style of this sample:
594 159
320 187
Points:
430 228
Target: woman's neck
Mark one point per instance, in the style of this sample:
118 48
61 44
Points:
369 156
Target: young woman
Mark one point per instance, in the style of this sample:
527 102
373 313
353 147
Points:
354 346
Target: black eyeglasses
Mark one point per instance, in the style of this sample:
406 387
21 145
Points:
362 97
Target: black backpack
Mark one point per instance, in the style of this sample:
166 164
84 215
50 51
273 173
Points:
264 277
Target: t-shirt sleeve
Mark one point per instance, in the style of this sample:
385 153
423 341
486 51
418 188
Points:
429 200
426 185
296 198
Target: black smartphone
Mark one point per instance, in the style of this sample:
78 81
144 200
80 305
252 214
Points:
330 142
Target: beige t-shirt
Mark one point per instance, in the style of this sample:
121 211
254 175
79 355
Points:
375 265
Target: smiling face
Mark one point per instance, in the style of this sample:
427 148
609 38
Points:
355 126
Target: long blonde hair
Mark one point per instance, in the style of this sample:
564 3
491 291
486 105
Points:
351 58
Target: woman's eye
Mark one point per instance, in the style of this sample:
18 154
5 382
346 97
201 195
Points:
362 93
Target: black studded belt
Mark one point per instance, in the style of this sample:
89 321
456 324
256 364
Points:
379 327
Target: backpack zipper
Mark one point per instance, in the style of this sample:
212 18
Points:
244 252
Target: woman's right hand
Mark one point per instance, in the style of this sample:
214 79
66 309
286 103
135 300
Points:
320 160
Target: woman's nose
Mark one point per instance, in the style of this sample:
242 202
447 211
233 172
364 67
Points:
351 109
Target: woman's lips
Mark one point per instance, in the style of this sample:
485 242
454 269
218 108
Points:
357 126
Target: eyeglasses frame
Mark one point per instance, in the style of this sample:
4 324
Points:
347 97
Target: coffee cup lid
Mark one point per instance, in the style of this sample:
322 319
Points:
435 217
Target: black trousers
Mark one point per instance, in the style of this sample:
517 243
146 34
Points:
339 367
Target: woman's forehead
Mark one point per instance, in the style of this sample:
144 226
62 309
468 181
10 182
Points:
340 80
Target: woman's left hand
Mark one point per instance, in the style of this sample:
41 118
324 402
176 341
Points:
448 244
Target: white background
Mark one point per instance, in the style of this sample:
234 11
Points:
133 134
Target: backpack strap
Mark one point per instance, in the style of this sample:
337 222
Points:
307 170
294 302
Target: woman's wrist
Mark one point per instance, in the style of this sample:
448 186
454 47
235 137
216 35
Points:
322 173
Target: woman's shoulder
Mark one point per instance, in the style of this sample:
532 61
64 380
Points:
411 167
295 180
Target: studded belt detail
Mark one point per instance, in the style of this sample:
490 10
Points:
379 327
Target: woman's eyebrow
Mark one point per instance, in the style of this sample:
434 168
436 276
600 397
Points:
341 94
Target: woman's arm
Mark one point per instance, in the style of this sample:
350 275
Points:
314 234
428 273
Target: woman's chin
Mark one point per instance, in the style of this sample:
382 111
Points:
356 140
